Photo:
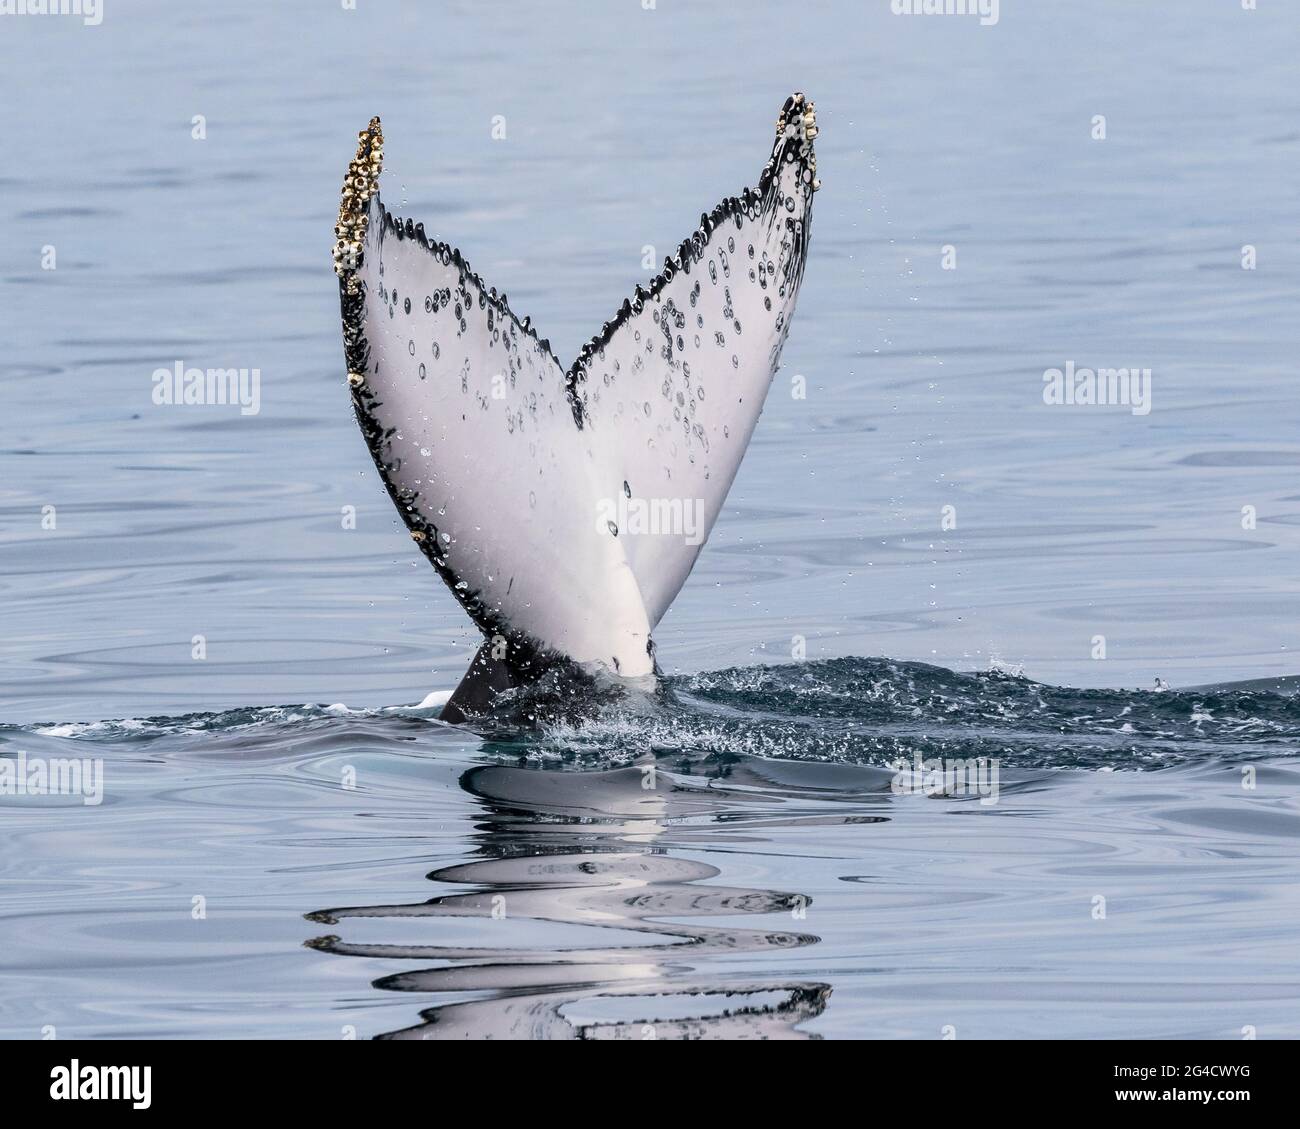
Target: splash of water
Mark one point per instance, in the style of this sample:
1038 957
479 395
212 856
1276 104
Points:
849 710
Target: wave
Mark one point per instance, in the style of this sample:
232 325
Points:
849 710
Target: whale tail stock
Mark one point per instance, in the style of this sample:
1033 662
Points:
565 508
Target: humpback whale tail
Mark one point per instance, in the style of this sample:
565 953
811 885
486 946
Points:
565 508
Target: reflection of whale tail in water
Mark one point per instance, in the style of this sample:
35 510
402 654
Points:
740 1011
570 854
565 508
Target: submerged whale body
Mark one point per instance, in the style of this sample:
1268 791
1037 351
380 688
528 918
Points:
565 507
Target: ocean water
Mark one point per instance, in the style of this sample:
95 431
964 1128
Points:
286 844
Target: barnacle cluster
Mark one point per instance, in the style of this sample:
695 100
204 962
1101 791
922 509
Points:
361 183
801 113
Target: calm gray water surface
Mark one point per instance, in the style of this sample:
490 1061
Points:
771 873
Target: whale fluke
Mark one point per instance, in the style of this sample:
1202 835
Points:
565 508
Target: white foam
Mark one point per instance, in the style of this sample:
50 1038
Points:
434 700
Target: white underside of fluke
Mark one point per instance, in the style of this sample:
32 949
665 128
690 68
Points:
566 510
